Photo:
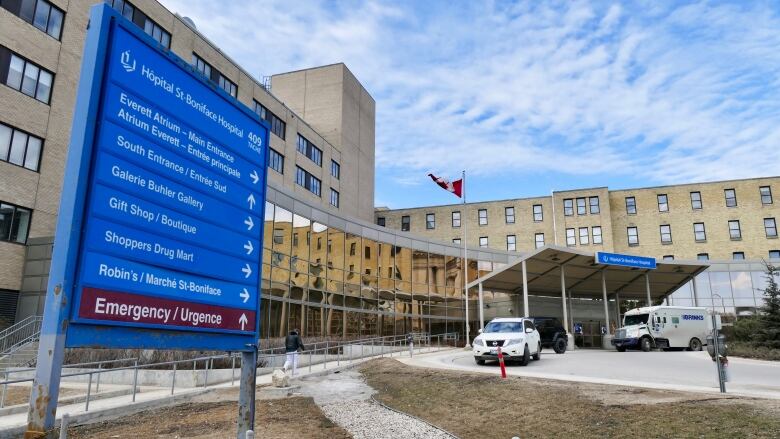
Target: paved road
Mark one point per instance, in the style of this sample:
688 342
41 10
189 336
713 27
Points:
693 371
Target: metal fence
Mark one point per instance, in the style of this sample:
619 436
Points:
329 354
20 334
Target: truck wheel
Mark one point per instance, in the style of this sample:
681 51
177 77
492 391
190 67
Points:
645 344
479 361
621 348
694 345
559 345
538 353
526 357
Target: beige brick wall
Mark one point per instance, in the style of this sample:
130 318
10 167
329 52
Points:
11 265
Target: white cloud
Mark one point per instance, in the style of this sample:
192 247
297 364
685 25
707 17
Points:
666 94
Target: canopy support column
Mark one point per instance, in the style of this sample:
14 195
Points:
526 313
647 284
695 291
566 326
481 309
618 323
606 339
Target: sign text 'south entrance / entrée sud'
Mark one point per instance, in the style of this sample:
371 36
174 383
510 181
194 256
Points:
173 217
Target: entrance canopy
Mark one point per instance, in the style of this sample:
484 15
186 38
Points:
582 276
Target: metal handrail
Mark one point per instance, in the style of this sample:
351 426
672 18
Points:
19 334
208 361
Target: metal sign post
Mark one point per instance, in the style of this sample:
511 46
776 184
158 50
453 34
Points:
159 235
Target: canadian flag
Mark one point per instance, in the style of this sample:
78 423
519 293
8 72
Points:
456 187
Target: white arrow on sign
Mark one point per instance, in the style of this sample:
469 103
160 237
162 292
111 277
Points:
247 270
251 200
249 223
243 321
255 177
244 295
249 247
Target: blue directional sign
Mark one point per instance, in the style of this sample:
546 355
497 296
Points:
625 260
165 183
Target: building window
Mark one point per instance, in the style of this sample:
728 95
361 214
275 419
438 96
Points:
594 205
483 241
509 214
581 206
734 230
405 223
539 240
770 227
584 238
633 236
511 243
568 207
275 161
124 8
335 169
703 256
538 213
738 256
731 197
40 13
483 220
20 148
164 38
14 223
668 257
696 200
455 219
766 194
213 75
571 238
334 198
25 76
666 234
305 179
278 126
699 233
597 235
430 221
663 203
456 241
631 205
380 221
309 150
774 254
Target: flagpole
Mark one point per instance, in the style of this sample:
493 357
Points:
464 221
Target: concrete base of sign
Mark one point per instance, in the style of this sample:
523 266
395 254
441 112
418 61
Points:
570 346
606 342
278 392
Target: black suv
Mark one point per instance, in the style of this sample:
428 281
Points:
552 333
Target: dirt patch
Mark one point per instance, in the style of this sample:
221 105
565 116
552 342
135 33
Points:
290 418
473 405
21 395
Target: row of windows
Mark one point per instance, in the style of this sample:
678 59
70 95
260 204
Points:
278 126
730 198
773 254
430 218
40 13
511 241
304 179
20 148
214 75
584 236
700 232
142 20
25 76
275 161
309 150
14 223
582 206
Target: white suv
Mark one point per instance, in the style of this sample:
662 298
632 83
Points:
518 338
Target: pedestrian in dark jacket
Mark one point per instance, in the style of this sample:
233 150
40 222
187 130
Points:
292 345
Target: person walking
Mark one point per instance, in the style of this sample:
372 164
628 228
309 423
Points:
292 345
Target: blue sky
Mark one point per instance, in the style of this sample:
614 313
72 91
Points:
530 97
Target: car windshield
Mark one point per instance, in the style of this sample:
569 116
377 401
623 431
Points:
636 319
504 327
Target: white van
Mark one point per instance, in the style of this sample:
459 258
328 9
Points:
663 327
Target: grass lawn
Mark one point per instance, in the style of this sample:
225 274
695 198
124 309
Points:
473 405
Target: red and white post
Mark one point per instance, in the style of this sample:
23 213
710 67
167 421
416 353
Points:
501 363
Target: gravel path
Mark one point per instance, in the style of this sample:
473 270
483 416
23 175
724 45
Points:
345 398
369 420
